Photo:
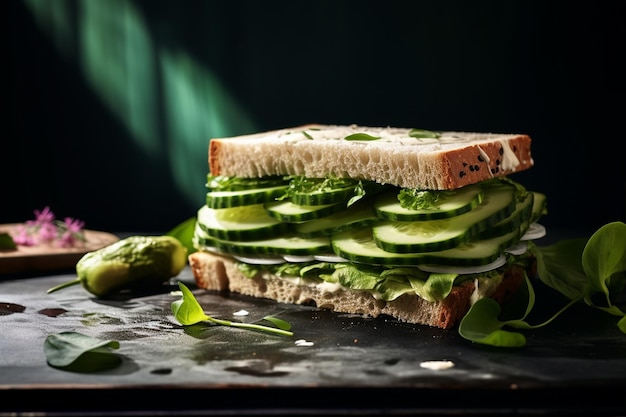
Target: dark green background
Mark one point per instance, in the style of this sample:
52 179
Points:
551 69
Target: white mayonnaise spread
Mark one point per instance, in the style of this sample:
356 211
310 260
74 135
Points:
485 157
324 286
509 159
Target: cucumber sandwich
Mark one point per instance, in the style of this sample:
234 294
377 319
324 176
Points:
377 221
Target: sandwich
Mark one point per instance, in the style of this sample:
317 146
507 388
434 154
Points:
409 224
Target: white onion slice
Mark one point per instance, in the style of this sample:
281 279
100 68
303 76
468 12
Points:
518 249
330 258
450 269
265 260
535 231
215 250
296 259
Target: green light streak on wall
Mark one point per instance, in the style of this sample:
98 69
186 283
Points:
170 105
118 60
55 18
197 108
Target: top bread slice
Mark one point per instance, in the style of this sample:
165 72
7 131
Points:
387 155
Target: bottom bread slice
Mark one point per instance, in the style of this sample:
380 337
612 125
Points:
220 273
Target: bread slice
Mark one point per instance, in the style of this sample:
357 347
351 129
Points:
450 161
220 273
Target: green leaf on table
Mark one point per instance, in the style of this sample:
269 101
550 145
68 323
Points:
6 241
187 310
77 352
280 323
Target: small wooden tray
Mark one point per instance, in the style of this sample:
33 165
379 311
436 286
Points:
37 259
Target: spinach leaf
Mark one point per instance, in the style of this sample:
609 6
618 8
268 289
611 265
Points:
604 262
77 352
481 325
579 269
559 266
188 311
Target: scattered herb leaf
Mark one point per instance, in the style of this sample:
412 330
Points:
361 136
77 352
188 311
423 134
414 199
280 323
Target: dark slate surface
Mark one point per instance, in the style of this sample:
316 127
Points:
355 364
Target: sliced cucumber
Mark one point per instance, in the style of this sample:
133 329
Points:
540 206
239 223
359 246
520 215
359 215
286 244
435 235
224 183
228 199
287 211
450 203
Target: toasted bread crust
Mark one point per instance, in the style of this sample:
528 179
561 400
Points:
220 273
454 160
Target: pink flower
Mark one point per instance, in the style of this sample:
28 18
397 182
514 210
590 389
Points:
44 216
66 240
72 231
45 229
47 233
74 225
23 237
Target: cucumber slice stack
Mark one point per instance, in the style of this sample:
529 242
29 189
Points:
363 222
